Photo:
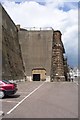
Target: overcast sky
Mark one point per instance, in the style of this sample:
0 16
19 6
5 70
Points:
60 14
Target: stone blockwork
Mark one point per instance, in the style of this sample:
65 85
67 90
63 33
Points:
12 63
66 69
26 50
57 73
43 49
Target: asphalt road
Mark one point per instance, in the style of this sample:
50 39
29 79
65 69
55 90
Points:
42 100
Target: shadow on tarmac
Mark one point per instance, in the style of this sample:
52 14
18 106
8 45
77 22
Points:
12 96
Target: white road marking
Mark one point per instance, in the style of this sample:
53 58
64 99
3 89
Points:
10 101
25 98
76 82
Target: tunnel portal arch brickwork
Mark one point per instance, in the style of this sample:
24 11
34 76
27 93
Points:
39 71
31 49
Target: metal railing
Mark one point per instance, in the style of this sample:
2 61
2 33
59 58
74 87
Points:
38 28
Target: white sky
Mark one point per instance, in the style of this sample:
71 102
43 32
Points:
61 15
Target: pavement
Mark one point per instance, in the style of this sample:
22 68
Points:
39 99
1 113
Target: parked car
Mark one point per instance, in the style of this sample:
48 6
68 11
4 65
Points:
7 88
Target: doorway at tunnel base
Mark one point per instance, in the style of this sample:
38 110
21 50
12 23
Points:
36 77
38 74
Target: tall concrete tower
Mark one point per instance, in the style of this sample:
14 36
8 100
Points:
57 71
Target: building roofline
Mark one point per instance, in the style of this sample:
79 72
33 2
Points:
8 16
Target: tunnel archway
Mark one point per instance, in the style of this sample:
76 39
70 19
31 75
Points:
36 77
38 74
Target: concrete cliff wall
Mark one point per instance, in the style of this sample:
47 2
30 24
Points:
12 64
36 54
0 42
36 49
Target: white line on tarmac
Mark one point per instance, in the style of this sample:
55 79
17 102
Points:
25 98
76 82
10 101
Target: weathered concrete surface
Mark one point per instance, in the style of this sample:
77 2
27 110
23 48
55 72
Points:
36 49
43 49
24 50
0 42
12 64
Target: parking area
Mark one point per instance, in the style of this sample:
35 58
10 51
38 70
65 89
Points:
39 99
24 88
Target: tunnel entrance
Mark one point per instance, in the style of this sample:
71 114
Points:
38 74
36 77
